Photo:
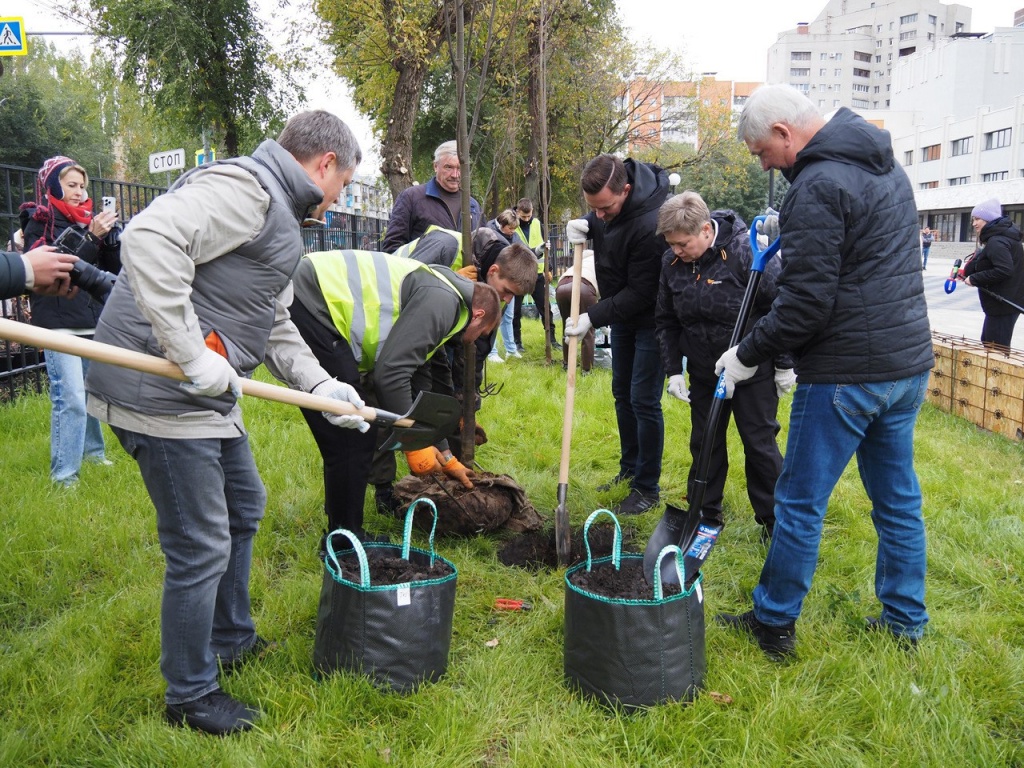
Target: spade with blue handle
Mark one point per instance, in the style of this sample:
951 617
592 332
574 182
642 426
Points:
688 530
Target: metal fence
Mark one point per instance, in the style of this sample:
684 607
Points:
22 368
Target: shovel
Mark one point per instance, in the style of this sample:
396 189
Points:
563 539
431 418
687 529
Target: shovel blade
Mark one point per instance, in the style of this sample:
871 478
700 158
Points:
677 526
435 417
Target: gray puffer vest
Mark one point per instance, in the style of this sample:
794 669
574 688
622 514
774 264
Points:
232 295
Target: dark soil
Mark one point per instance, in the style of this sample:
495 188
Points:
626 583
387 568
536 549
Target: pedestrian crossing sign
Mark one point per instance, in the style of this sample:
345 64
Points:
13 41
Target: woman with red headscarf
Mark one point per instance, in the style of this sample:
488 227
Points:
62 202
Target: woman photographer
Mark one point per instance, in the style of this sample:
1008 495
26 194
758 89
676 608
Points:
62 203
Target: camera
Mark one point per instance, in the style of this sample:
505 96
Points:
96 282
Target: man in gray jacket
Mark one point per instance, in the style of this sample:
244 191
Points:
207 284
851 309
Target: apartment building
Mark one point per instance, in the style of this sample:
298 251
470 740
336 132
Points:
846 56
661 113
958 128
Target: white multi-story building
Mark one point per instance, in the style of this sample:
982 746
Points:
958 128
846 56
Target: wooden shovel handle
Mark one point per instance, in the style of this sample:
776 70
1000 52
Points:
158 366
570 379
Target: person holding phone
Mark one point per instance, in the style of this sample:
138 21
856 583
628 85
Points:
62 204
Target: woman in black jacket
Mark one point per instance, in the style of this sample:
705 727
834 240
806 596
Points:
704 275
997 267
63 203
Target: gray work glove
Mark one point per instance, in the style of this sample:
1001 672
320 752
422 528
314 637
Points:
210 375
677 387
785 380
576 231
735 371
770 226
580 327
346 393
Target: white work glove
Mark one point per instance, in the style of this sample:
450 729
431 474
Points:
677 387
785 380
580 327
734 370
770 226
210 375
576 231
339 390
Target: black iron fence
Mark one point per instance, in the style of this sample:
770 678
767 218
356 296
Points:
22 368
18 185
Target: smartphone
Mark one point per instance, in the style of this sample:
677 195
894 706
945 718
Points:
109 205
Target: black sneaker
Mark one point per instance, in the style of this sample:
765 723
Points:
635 504
387 504
258 650
906 642
613 482
778 643
215 713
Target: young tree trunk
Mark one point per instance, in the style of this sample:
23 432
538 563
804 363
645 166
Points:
531 169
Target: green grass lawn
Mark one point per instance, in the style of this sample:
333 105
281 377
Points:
80 576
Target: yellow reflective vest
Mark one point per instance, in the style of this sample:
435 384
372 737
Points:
363 293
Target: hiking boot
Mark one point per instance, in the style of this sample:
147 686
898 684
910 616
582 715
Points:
215 713
635 504
778 643
259 649
906 642
387 504
620 478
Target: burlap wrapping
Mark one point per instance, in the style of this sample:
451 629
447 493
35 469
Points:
495 502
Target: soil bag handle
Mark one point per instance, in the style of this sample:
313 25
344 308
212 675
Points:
616 542
407 533
671 549
331 559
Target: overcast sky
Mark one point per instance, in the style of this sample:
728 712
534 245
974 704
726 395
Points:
730 38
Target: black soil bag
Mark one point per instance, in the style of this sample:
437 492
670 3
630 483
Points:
398 635
630 653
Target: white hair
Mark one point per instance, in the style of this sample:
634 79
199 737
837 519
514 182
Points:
771 104
448 148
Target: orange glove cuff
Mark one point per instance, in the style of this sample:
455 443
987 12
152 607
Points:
453 464
423 461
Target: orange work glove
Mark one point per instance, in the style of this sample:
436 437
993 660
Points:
424 462
457 470
468 272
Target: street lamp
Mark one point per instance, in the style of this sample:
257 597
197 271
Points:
674 179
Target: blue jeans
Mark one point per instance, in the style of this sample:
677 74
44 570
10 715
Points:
828 425
74 434
507 335
209 501
637 382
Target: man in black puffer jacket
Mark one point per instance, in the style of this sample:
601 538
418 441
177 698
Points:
997 269
851 308
624 197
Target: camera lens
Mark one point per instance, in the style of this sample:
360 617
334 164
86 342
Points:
94 281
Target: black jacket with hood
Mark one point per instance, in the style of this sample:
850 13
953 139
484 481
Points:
627 252
699 301
850 302
998 266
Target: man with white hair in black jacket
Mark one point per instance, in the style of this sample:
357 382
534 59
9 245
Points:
851 309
